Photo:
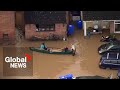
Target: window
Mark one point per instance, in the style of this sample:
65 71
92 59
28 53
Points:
5 37
117 27
114 48
113 56
117 22
45 28
109 47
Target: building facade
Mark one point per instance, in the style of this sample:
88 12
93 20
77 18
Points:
103 19
45 23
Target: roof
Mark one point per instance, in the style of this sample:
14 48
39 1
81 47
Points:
45 17
101 15
75 13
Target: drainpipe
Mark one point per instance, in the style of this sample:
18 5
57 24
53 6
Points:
81 14
84 27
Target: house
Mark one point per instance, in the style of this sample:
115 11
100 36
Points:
104 20
7 27
45 23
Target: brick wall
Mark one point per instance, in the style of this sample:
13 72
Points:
7 25
112 27
30 30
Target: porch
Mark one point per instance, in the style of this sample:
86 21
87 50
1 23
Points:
98 27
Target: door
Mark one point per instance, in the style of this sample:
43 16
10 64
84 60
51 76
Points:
19 21
117 27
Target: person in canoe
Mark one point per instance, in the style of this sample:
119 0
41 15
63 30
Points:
65 49
43 46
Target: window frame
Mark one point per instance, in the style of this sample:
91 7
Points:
46 28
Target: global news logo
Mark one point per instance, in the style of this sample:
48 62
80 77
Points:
17 62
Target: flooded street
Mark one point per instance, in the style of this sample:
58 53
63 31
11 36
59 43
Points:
84 63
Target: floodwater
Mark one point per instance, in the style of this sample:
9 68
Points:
84 63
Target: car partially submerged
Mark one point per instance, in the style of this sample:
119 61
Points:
118 73
110 60
109 47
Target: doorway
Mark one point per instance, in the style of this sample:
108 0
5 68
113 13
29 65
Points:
19 21
117 27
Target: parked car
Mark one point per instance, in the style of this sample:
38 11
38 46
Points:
110 60
109 47
118 73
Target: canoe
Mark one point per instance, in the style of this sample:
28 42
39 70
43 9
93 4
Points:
53 51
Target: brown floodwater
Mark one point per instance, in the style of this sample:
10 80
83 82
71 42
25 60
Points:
84 63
